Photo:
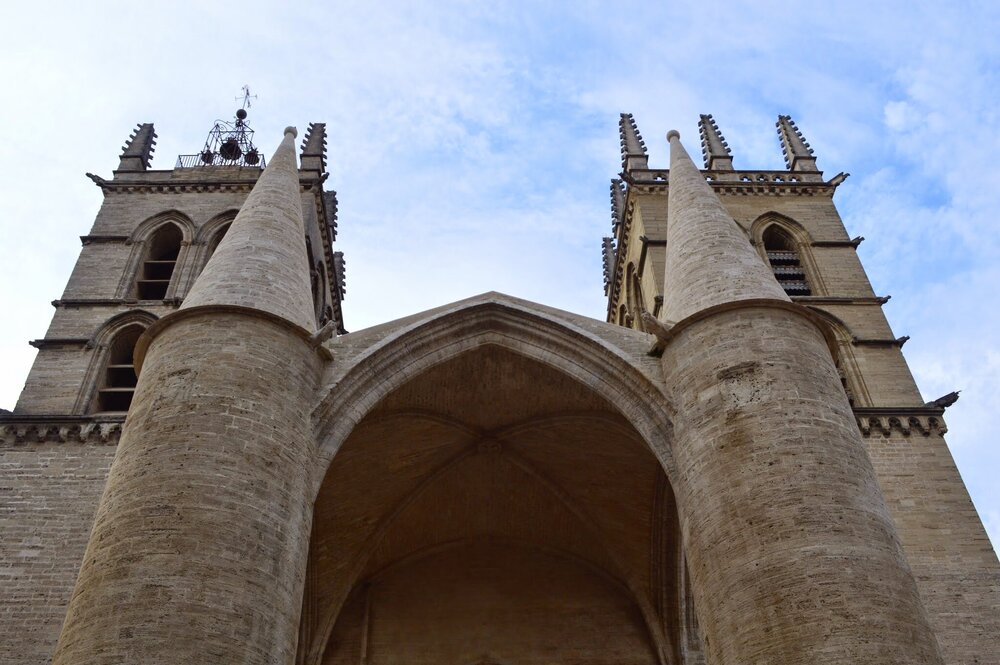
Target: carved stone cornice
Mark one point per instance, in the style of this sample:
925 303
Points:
886 421
740 183
163 182
25 430
898 342
841 300
113 302
95 239
57 342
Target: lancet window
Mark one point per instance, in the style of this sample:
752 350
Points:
160 261
785 261
118 381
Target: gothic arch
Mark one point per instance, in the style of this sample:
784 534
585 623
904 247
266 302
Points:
209 229
844 358
139 240
100 344
359 384
800 238
147 227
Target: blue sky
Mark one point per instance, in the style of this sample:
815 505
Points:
471 145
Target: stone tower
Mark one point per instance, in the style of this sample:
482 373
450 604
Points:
734 467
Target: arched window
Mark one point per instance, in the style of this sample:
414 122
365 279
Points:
114 393
785 261
158 266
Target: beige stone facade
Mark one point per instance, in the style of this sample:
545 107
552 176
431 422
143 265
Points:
735 467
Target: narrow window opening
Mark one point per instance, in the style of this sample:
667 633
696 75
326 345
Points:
785 262
119 380
158 268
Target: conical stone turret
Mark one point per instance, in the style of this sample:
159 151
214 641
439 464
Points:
709 259
208 502
792 552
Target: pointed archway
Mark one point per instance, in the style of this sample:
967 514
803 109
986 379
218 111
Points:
481 461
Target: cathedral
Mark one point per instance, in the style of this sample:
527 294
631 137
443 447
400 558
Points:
734 466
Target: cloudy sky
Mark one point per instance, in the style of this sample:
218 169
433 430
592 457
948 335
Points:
471 145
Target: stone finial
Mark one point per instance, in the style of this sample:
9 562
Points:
709 258
617 202
798 155
313 155
608 254
714 148
633 147
138 150
261 262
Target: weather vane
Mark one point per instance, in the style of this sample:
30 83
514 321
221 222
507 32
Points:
246 97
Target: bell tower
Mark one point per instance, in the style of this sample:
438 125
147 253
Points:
664 263
154 235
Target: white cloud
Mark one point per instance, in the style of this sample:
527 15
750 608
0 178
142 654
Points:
472 144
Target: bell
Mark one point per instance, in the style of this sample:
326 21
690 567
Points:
251 157
230 150
207 157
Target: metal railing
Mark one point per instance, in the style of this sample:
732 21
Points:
215 159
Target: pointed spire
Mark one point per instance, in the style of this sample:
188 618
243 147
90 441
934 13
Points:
617 202
798 155
261 262
714 148
633 147
138 150
608 254
709 258
314 148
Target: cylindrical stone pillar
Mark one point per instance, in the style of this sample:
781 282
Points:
792 551
199 547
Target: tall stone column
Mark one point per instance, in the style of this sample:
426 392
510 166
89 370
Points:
793 555
199 546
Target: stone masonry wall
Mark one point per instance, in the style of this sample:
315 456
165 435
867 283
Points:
48 496
946 546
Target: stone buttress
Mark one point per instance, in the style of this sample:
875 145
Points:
792 551
198 551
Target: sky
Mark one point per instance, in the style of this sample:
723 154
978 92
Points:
471 145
